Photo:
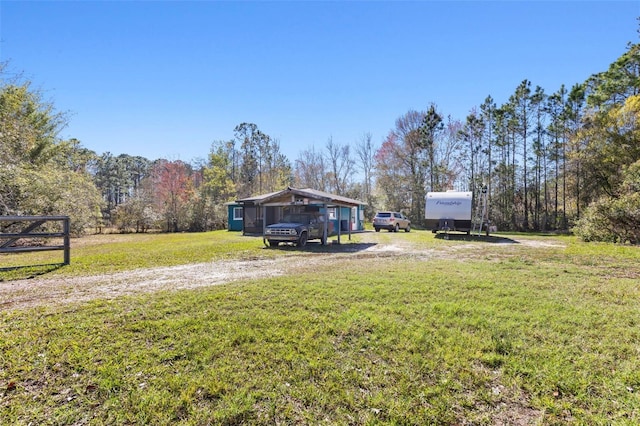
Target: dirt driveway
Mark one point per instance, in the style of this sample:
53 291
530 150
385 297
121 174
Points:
61 290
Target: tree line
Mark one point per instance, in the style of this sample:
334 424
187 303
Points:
548 161
562 160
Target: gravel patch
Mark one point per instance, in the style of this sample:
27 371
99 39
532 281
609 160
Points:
62 290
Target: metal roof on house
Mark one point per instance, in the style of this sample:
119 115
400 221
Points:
257 198
311 194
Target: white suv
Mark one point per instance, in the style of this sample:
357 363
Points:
392 221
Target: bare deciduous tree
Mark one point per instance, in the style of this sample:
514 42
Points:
310 170
366 154
340 167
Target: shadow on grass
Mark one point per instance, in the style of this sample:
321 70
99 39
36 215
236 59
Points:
480 238
12 273
333 247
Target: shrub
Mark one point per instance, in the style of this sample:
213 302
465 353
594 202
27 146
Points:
615 219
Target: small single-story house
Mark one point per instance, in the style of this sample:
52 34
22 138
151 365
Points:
251 215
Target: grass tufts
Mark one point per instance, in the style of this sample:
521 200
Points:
522 334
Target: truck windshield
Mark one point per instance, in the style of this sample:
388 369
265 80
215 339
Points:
297 218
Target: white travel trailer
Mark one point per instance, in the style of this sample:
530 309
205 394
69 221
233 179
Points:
449 211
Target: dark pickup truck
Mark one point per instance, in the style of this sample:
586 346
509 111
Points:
297 228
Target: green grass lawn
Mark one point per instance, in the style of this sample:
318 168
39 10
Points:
502 334
98 254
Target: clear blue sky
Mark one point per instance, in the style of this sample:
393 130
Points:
166 79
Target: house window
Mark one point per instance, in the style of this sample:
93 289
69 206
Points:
237 213
331 212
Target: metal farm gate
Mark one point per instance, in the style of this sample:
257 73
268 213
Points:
27 227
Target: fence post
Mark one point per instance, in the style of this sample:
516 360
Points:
67 241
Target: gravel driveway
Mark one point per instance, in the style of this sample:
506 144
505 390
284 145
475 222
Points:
61 290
